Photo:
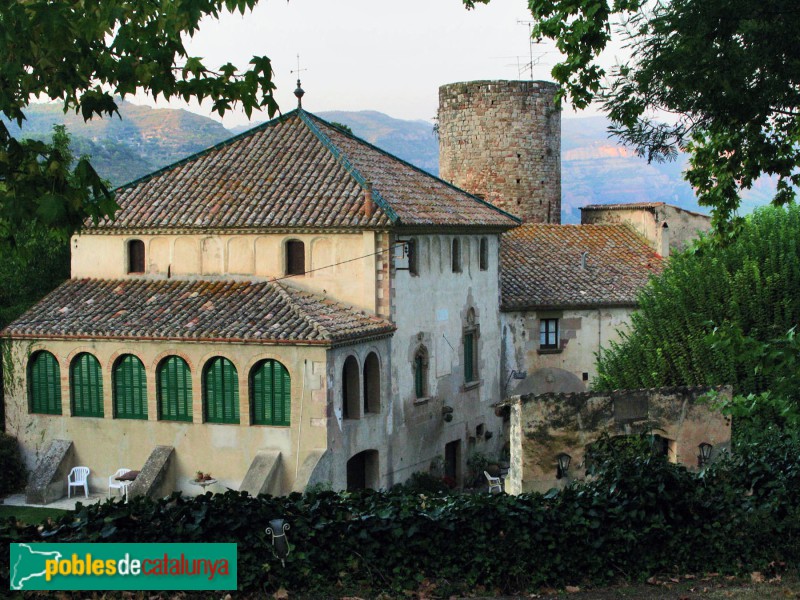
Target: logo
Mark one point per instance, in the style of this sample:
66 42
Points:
123 566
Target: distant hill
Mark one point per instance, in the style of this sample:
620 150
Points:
594 169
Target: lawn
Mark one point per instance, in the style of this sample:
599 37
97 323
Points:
28 514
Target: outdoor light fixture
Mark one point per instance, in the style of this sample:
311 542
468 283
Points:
705 454
280 543
563 465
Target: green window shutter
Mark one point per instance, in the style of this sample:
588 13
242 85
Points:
130 388
44 384
468 356
86 386
221 391
174 390
271 394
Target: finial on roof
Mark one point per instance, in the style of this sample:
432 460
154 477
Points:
299 92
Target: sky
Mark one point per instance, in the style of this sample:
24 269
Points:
372 54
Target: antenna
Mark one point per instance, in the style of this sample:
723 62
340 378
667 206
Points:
533 61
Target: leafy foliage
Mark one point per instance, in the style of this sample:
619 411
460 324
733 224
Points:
87 55
638 516
718 314
725 71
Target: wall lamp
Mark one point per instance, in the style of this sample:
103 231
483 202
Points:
562 470
705 454
280 544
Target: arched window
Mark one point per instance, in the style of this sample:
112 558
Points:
86 386
44 384
129 383
270 394
456 255
471 348
421 372
484 254
174 390
295 257
350 389
136 256
220 391
372 384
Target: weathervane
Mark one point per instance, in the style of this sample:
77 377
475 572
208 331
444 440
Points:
299 92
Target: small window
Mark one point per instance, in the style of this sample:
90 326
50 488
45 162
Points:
270 394
86 386
174 390
129 383
295 257
44 384
421 372
548 334
136 256
411 248
221 391
484 254
470 340
456 255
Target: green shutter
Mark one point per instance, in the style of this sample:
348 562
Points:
44 384
130 388
221 391
86 386
271 390
468 357
174 390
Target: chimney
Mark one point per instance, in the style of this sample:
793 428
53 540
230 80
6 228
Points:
369 204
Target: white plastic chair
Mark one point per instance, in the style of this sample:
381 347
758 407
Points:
118 485
494 483
78 477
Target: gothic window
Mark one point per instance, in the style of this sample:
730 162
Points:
470 342
421 372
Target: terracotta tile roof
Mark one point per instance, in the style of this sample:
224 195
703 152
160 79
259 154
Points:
193 311
622 206
540 266
296 171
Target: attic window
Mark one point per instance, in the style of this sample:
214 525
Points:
484 254
136 256
295 257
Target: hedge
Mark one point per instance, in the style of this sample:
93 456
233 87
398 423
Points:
641 517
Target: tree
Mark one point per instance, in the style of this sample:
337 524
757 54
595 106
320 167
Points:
719 314
87 55
717 78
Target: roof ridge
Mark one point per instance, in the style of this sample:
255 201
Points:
284 292
418 169
345 162
204 151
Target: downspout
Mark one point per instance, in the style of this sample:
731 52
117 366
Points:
300 423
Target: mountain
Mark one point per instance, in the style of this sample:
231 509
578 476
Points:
594 168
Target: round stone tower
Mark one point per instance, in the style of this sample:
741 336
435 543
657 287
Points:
501 140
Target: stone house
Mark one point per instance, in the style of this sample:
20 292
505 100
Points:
291 306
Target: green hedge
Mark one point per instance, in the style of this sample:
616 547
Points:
641 517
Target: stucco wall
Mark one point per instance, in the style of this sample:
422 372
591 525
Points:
242 256
570 368
226 451
546 425
431 309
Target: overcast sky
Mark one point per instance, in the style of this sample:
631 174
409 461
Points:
373 54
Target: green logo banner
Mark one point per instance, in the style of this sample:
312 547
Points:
123 566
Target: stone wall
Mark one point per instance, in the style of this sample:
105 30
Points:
501 140
544 426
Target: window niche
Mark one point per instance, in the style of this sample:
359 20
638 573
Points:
456 255
470 349
351 396
421 384
372 384
483 256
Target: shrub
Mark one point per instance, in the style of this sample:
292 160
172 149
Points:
13 474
